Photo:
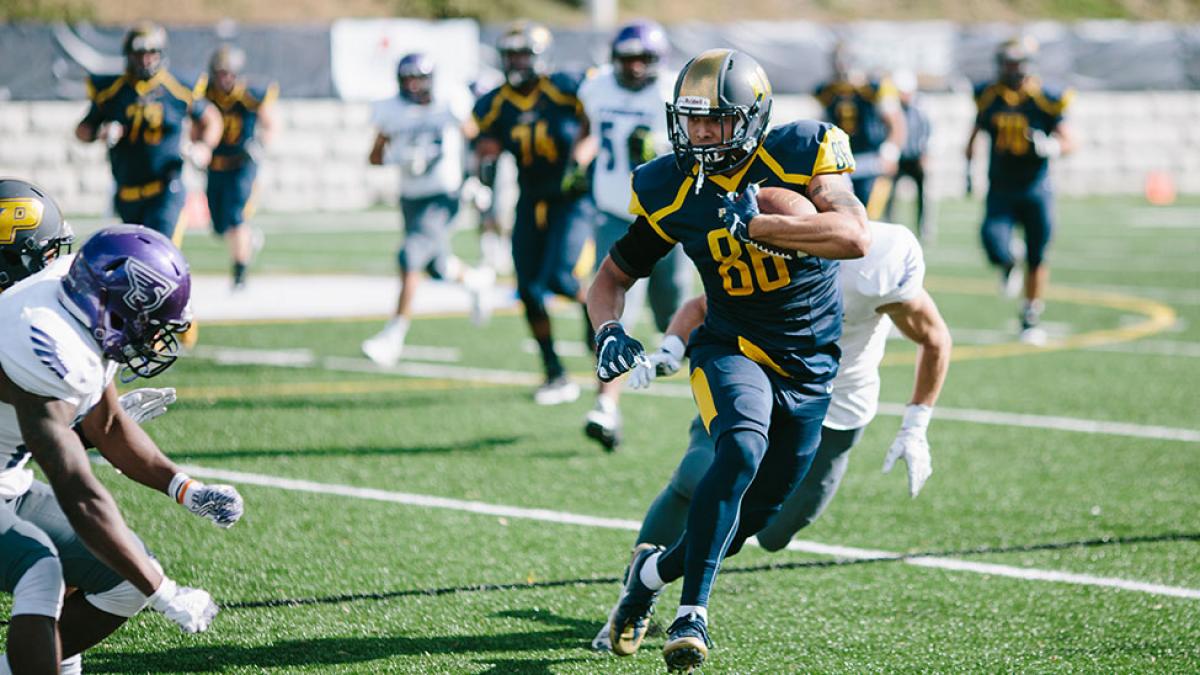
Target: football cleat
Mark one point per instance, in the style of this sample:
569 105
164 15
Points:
603 642
631 618
1031 316
556 391
687 644
1010 281
479 282
385 347
603 424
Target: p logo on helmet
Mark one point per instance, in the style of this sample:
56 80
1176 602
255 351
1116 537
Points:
18 213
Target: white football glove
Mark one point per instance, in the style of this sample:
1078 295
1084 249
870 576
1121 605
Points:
219 503
147 403
664 362
912 446
192 609
1045 145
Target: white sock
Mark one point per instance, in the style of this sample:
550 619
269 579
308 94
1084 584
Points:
606 403
398 325
72 666
455 268
649 574
699 611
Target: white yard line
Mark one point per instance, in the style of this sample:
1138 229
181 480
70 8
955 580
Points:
565 518
676 390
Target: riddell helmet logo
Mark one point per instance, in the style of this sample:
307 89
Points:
148 289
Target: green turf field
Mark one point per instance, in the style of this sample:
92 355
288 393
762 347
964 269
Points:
315 582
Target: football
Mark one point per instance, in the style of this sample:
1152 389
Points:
782 201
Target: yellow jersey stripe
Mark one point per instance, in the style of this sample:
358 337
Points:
757 355
704 398
177 90
777 168
485 123
636 208
108 92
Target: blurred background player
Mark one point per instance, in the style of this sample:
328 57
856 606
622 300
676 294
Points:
247 126
57 362
624 104
1024 119
423 130
868 111
536 116
146 109
913 155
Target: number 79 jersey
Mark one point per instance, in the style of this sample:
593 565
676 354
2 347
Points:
538 129
784 314
152 114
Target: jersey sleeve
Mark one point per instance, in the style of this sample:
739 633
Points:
833 152
637 252
983 98
486 112
1054 102
95 87
43 357
899 276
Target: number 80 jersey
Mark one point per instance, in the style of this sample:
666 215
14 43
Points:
784 314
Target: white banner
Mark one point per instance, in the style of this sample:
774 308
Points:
365 53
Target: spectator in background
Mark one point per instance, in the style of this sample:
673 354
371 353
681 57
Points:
248 125
868 111
913 154
1024 119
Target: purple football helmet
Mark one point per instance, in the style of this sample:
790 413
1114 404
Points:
637 50
415 73
130 286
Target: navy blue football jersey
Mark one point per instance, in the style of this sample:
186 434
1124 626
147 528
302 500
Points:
151 113
1010 117
239 118
856 110
784 314
538 128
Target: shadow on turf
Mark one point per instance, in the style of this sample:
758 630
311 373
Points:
476 445
564 633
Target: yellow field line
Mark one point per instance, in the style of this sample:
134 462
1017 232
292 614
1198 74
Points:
1159 317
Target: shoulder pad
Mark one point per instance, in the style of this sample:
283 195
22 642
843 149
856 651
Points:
656 182
45 356
799 150
566 82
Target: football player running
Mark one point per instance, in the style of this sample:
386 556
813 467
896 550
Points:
624 107
868 110
764 357
69 328
881 290
1024 119
248 125
423 130
536 116
144 112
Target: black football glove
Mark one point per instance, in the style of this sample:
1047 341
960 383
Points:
616 352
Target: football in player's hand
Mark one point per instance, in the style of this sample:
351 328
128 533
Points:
782 201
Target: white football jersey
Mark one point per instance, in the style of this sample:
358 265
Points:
613 113
426 141
44 351
893 271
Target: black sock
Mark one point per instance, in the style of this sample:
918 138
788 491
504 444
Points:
239 272
550 360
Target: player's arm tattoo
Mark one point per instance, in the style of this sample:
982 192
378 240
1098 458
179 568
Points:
833 192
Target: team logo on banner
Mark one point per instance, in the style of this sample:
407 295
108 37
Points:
148 289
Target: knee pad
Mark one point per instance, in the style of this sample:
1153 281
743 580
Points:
121 600
40 590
